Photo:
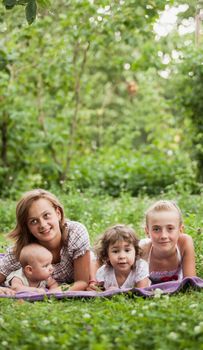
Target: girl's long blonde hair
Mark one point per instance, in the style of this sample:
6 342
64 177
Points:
163 205
21 234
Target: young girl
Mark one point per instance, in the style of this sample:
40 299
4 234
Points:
169 252
40 219
118 250
35 273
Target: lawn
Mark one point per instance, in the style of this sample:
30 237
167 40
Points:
122 322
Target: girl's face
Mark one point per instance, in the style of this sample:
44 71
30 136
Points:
164 229
121 255
43 221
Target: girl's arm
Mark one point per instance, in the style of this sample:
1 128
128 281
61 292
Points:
188 261
8 264
81 267
2 278
18 286
143 283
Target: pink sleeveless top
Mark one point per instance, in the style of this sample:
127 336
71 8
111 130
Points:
165 276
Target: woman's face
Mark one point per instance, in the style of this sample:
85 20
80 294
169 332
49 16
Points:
43 221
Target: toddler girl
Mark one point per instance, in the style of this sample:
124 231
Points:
169 252
118 250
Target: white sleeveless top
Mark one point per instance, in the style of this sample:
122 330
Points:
20 274
106 275
164 276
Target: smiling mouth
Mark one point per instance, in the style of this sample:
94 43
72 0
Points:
44 232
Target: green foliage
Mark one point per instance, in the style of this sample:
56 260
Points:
68 115
31 7
148 171
189 96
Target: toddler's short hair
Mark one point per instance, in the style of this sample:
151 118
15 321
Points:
113 234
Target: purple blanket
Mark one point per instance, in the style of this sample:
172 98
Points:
161 288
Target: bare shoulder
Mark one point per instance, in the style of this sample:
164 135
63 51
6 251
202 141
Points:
184 238
185 242
145 246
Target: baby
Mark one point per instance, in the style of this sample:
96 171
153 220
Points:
36 271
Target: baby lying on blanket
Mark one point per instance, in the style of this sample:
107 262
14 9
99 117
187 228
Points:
36 271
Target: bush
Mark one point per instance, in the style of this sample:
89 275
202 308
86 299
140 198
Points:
150 171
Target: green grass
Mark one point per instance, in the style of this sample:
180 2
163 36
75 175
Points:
122 322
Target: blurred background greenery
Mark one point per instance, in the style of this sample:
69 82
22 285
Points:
101 95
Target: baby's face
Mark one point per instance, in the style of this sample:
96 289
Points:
42 268
164 228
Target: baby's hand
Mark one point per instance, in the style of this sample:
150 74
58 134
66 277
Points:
41 290
7 291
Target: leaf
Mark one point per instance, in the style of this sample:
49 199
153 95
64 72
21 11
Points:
31 11
22 2
44 3
9 4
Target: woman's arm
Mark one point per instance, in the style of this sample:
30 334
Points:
186 245
94 265
81 267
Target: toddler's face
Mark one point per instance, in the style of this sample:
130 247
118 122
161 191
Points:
121 256
164 228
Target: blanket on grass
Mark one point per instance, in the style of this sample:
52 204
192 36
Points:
154 290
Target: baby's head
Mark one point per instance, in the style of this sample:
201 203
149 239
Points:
163 213
36 261
114 234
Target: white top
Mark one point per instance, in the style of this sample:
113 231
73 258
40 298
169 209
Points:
106 274
20 274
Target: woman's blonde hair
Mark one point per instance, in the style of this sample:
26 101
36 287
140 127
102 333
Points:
113 234
163 205
21 234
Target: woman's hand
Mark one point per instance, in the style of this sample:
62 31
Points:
95 286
